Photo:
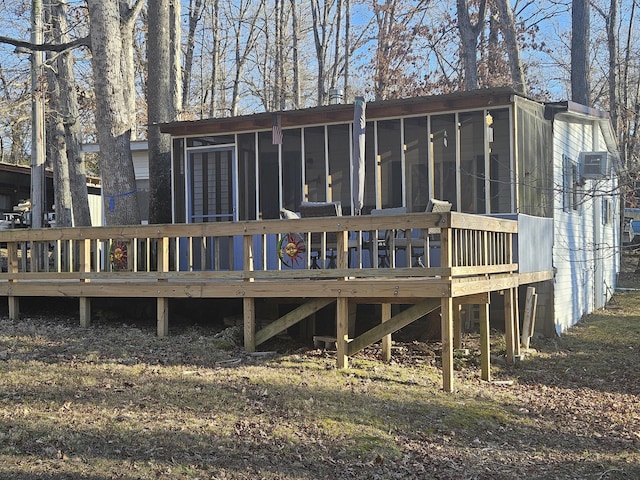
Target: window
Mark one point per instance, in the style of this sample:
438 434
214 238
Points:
443 144
314 159
607 213
570 185
389 160
416 155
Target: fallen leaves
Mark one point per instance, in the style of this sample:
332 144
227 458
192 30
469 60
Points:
114 401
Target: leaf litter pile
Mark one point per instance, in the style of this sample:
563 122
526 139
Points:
115 402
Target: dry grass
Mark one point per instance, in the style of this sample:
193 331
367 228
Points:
114 401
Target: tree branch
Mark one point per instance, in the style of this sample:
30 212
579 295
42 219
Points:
28 47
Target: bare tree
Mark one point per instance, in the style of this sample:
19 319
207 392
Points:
113 119
162 102
196 9
508 27
68 114
249 17
322 33
469 32
295 32
215 56
579 47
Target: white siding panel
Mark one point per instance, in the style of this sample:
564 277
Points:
580 237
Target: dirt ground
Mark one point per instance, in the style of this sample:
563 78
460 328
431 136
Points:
115 402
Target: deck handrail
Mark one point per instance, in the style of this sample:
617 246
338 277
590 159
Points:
469 245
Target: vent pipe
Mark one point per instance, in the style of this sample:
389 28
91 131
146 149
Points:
335 96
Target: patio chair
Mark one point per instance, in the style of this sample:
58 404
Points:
420 244
319 244
384 236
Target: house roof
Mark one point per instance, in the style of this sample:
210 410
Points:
484 98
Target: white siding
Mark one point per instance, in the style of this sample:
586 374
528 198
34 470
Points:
584 252
95 209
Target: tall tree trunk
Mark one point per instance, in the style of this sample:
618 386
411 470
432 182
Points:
113 120
215 57
508 26
347 48
579 48
385 17
278 67
242 52
337 46
56 144
296 62
612 44
57 151
69 111
493 45
128 16
626 116
37 119
195 13
164 76
319 37
469 33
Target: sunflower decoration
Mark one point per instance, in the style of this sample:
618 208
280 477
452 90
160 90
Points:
291 249
118 255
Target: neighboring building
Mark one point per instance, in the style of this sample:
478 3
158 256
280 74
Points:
487 152
15 188
140 157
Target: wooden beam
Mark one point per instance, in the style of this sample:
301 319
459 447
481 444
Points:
291 318
457 327
85 267
447 343
342 332
485 345
14 307
509 333
516 324
386 340
527 317
249 322
162 315
85 312
394 324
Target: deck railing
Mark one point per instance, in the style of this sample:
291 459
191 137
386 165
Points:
327 247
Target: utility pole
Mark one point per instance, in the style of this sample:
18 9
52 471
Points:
37 120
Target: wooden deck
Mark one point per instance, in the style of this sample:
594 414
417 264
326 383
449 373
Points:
240 260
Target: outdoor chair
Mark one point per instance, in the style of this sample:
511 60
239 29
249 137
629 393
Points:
384 237
322 243
417 244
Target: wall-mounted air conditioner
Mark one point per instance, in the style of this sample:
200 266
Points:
594 165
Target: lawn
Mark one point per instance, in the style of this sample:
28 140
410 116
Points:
114 401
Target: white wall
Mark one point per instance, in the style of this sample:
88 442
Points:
585 250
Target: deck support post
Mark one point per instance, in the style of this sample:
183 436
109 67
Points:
85 267
162 309
386 340
162 316
516 324
14 308
342 332
12 267
485 358
457 327
447 343
509 330
249 322
353 308
85 312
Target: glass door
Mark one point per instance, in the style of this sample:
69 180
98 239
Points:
211 185
210 198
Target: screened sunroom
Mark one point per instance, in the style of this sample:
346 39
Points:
460 148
